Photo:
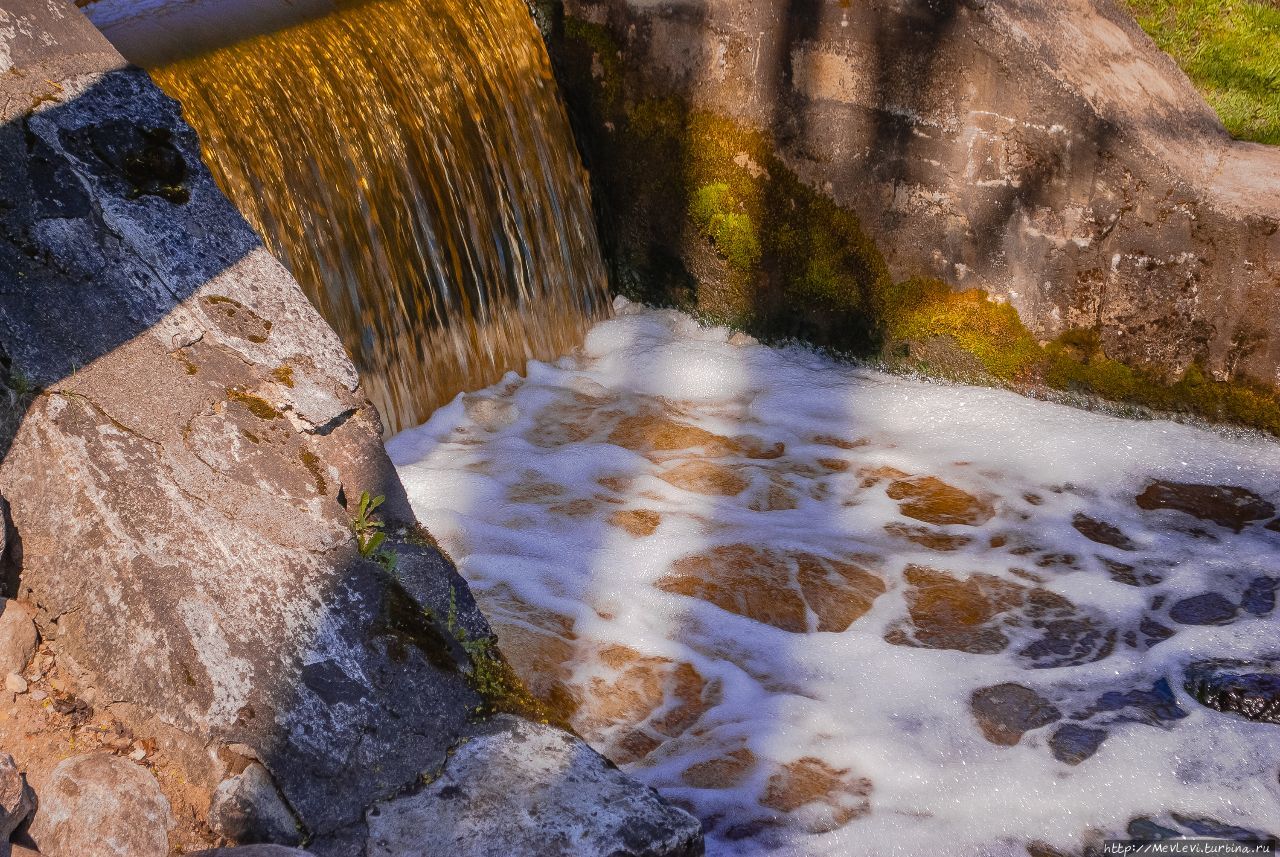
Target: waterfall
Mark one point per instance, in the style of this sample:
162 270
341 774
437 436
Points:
410 161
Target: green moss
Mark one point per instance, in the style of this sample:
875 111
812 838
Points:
493 677
1231 51
720 217
920 309
604 61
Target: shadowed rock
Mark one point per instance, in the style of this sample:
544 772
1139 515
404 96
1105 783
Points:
16 798
1079 178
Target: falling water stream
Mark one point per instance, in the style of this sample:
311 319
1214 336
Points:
409 160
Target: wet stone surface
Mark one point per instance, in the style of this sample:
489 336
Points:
1248 690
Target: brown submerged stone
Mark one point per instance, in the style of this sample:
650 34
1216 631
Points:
1102 532
929 538
618 713
929 499
1227 506
637 522
706 477
742 579
722 772
757 583
654 432
949 613
812 781
1006 711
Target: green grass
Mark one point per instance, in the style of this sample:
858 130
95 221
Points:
1231 51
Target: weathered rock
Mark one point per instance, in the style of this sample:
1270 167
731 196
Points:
1045 152
247 808
1006 711
180 485
103 805
522 788
16 798
17 637
1248 690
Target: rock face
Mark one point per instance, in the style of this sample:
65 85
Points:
1044 152
497 793
103 805
193 445
16 798
248 808
17 637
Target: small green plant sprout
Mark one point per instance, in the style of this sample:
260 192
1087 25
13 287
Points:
370 535
368 530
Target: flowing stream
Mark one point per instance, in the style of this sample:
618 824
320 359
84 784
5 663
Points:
409 160
837 612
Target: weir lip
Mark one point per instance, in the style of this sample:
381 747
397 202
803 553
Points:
154 32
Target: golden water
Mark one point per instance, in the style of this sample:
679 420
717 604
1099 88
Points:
411 162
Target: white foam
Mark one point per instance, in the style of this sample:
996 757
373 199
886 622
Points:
897 715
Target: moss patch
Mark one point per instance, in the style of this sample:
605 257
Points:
696 211
494 678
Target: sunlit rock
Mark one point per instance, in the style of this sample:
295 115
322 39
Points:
706 477
929 499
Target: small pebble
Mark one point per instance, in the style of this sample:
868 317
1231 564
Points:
38 695
138 754
15 683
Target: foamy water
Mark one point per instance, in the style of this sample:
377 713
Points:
837 612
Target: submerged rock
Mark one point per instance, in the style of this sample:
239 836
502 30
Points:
1102 532
1225 505
103 805
521 788
1074 743
1006 711
1210 608
1249 690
